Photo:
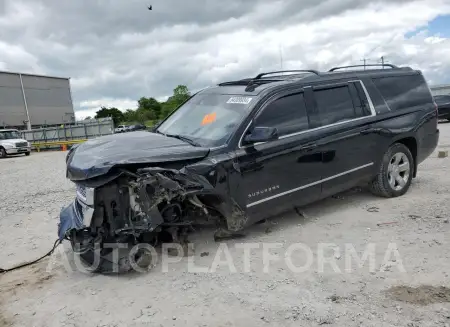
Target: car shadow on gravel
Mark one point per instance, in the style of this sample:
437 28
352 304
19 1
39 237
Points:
12 156
302 215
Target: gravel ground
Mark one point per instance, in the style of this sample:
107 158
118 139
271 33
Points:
378 293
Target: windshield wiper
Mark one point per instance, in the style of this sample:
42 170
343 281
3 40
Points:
183 138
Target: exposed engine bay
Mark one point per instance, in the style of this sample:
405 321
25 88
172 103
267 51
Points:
151 205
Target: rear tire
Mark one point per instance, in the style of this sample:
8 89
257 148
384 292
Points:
2 153
396 172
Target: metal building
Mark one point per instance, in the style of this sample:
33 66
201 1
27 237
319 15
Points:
29 101
440 89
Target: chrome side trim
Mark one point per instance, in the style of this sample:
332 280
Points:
372 110
242 136
219 147
372 107
307 185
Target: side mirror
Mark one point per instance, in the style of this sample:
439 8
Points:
261 134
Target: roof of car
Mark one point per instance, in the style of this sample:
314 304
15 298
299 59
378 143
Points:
262 82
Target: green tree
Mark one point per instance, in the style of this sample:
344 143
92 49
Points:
149 107
114 113
180 95
130 115
167 108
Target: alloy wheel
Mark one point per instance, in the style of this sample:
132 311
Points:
399 169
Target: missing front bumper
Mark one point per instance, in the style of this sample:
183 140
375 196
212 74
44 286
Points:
76 215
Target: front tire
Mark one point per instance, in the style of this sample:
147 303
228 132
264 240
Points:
27 153
104 262
2 153
396 172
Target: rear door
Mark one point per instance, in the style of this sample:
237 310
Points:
344 114
277 175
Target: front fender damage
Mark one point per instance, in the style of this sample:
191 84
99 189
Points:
148 191
154 186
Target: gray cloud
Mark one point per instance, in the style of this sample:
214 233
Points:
119 50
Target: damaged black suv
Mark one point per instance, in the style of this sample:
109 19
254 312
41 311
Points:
235 153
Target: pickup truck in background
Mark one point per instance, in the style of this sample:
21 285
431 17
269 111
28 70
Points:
12 142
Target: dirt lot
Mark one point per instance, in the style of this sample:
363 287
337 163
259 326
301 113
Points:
404 285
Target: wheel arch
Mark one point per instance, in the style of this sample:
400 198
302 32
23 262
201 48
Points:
411 143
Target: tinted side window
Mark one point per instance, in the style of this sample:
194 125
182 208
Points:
360 101
403 91
336 105
287 114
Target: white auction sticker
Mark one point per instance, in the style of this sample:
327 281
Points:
240 100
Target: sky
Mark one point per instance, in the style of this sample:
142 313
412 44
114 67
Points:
116 51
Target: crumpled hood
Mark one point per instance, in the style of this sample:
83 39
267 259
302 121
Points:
97 156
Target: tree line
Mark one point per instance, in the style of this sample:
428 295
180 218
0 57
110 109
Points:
149 110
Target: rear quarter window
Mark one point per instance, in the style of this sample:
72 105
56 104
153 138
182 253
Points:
401 92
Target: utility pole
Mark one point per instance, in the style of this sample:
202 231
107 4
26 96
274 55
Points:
364 60
25 103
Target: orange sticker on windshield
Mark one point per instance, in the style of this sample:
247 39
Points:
209 118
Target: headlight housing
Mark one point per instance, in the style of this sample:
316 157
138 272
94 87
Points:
85 194
8 145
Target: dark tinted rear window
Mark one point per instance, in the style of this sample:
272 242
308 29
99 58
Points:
336 105
402 92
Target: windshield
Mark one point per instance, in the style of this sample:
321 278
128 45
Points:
9 135
208 119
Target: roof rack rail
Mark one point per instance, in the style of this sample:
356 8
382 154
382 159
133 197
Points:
237 82
255 82
367 65
288 71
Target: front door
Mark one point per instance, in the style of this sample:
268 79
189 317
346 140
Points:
277 175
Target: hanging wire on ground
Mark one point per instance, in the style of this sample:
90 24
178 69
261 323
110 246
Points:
55 245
